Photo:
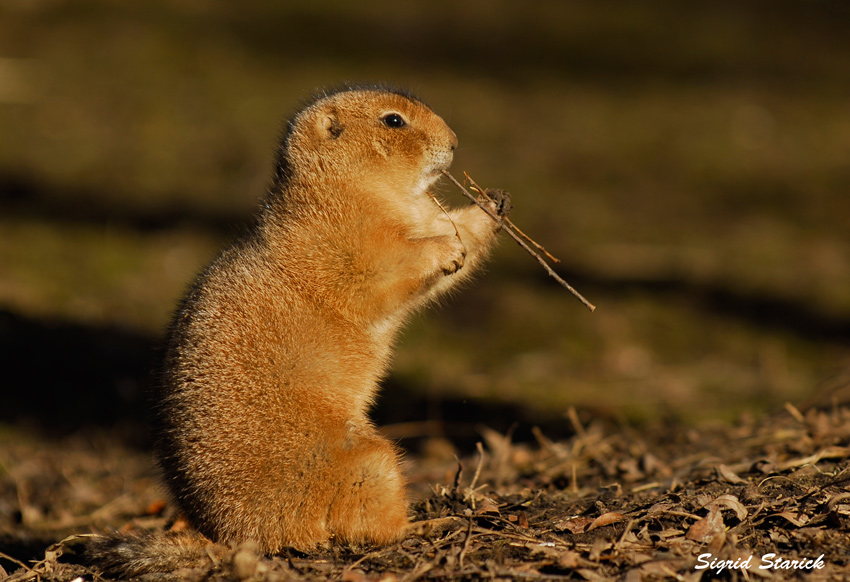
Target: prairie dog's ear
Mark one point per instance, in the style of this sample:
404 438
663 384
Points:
329 124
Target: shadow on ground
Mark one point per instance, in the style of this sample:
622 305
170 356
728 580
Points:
70 375
75 376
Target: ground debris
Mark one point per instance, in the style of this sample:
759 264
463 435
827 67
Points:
610 503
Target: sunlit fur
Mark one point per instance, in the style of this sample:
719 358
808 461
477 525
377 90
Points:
277 351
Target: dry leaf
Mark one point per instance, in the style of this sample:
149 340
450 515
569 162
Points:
606 519
523 520
707 528
729 502
798 520
825 453
487 506
834 503
728 475
574 525
659 508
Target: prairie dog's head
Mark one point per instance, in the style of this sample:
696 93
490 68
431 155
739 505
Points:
380 138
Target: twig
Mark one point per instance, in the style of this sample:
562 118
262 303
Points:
521 242
13 560
440 206
480 448
795 412
465 544
375 554
574 420
508 221
456 484
434 526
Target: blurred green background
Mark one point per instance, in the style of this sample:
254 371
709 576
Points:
689 163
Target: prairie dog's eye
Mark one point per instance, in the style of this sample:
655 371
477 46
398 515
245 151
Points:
393 120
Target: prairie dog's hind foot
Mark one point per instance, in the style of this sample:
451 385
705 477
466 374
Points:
371 504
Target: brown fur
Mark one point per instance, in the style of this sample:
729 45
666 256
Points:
277 351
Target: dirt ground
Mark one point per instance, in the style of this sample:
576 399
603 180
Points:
610 502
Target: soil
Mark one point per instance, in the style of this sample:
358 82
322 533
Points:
663 502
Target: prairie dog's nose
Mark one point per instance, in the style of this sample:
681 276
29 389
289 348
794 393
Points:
452 139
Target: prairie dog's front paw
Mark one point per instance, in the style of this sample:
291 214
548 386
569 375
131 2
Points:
501 201
457 255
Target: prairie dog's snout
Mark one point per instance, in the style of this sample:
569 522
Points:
445 147
443 155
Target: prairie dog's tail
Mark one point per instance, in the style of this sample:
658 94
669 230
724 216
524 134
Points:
129 555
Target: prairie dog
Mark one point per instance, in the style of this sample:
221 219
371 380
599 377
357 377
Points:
277 350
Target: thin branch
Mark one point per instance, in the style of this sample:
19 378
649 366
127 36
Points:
465 544
480 448
508 221
446 212
17 562
521 242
